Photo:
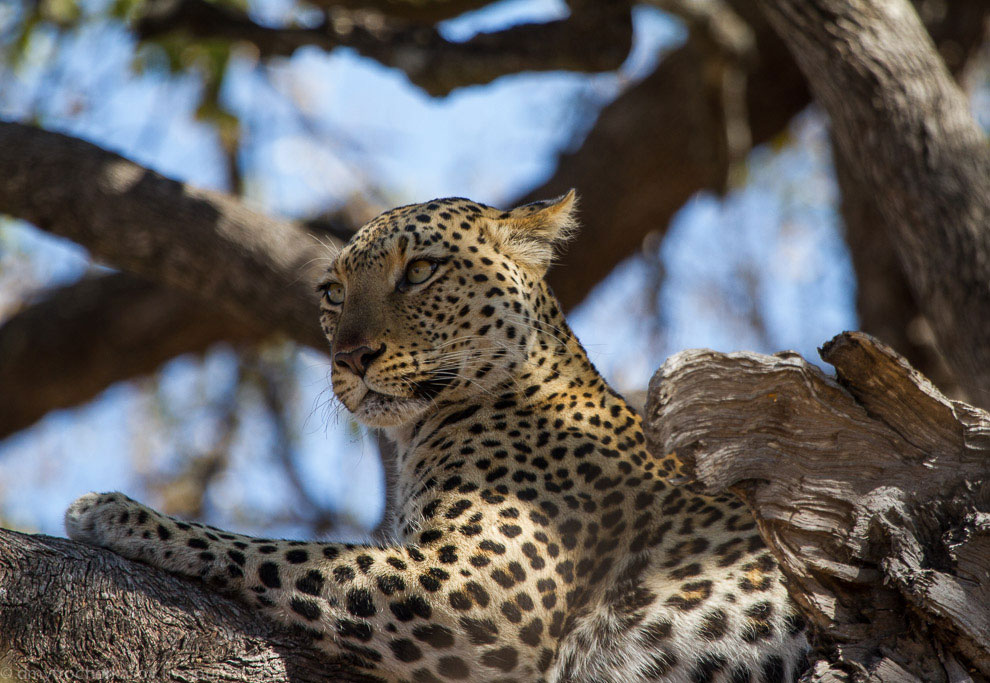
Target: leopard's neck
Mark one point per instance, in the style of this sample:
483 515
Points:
558 379
556 364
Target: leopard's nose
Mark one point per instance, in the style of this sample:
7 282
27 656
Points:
357 359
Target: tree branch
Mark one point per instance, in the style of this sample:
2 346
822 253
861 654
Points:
80 339
658 144
885 305
666 134
69 612
75 341
895 108
205 243
419 11
871 490
596 37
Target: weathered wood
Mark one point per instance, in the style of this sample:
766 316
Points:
872 489
69 612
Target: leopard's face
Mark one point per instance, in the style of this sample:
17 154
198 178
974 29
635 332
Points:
433 303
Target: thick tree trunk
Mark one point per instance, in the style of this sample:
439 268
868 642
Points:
885 302
905 125
872 490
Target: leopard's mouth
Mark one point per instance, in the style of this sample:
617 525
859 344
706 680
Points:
373 397
429 389
424 389
378 409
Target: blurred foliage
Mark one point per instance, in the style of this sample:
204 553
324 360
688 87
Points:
175 52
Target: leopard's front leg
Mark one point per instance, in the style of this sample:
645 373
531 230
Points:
137 532
412 612
286 578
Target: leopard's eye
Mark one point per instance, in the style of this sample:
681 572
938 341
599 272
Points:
419 271
335 293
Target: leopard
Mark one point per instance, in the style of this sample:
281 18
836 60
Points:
535 538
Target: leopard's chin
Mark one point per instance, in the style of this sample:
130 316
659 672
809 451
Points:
376 409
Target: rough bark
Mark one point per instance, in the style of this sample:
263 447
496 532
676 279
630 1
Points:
872 490
897 112
69 612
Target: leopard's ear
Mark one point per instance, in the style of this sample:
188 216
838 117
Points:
531 233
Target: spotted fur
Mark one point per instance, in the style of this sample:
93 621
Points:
536 538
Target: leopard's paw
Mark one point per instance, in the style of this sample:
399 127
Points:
89 518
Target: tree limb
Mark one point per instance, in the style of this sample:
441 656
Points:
69 612
658 144
663 140
923 158
872 490
596 37
205 243
73 342
80 339
885 304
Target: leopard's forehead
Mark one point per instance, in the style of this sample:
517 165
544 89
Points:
445 224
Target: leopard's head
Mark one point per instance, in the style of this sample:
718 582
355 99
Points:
434 303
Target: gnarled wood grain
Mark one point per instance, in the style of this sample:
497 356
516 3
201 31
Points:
872 489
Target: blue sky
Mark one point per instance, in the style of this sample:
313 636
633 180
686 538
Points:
318 128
